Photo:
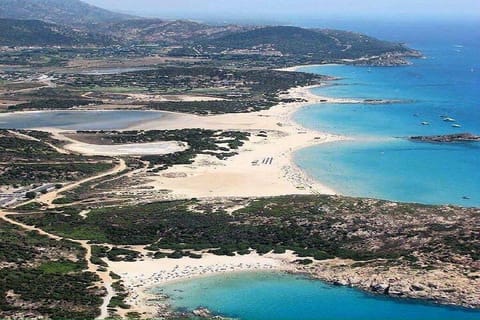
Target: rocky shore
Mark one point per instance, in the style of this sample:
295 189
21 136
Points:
391 59
447 283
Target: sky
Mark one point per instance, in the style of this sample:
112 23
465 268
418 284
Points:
291 9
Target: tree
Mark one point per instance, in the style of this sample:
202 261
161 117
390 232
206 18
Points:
31 195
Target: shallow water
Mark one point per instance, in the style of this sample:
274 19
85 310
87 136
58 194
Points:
397 170
277 296
77 120
445 84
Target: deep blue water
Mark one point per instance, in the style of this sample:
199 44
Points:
273 296
445 83
77 120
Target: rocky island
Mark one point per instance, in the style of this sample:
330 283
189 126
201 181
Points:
448 138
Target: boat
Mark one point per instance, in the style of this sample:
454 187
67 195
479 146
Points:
456 126
448 119
425 123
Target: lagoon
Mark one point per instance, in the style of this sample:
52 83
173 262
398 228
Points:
77 120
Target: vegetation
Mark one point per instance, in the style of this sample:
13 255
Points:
27 174
221 144
52 104
211 107
26 161
305 42
35 32
36 270
242 90
318 227
285 45
71 12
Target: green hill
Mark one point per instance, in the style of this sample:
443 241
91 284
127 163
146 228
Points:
304 42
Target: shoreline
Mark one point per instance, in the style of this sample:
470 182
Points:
155 273
325 271
144 279
239 176
141 278
236 177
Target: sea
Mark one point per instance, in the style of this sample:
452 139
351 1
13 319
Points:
378 161
280 296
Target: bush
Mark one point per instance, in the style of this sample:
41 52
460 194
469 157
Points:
31 195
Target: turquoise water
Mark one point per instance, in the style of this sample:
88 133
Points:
445 83
273 296
77 120
418 172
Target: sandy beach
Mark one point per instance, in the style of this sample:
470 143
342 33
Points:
264 165
142 276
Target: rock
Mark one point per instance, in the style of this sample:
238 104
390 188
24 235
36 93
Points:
340 283
202 313
379 287
417 287
460 137
399 289
352 281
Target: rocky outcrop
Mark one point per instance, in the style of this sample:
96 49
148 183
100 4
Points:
390 59
444 283
448 138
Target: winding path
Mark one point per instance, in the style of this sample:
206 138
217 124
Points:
106 279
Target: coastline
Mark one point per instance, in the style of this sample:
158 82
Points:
209 178
279 118
141 278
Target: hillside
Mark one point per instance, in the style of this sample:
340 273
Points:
39 33
164 31
241 45
67 12
286 40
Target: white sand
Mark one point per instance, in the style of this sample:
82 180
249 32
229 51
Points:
243 175
139 277
238 176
